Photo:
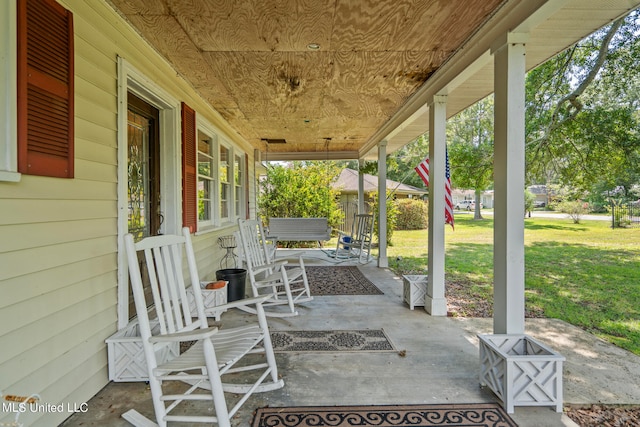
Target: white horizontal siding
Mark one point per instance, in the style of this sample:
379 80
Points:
58 237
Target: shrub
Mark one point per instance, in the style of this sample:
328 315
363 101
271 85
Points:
413 214
392 215
575 209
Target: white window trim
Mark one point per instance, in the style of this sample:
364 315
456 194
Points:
8 92
132 80
213 223
230 219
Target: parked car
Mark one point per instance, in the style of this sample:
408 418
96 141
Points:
467 205
463 205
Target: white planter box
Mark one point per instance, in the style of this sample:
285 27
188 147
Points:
415 289
126 356
211 298
521 371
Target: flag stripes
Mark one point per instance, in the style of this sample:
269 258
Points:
423 172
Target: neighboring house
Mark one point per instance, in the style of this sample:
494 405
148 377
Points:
347 183
486 198
542 194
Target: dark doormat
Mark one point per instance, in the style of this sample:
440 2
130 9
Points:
339 280
475 415
331 341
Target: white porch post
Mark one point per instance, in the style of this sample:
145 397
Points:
435 302
360 187
509 166
383 262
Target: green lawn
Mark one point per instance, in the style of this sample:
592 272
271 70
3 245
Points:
586 274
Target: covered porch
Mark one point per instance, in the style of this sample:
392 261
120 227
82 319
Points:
371 89
436 361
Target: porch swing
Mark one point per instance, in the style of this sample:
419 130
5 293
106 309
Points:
298 229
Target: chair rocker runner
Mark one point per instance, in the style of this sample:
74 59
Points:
217 352
268 277
358 243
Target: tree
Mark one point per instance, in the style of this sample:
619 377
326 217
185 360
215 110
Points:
582 113
300 190
400 167
470 136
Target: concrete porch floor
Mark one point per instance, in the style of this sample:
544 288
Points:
441 363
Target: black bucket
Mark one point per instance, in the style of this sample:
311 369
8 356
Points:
236 278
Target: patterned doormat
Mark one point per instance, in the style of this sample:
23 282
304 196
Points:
339 280
331 341
476 415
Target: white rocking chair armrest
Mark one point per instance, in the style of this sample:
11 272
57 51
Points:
273 265
240 303
196 334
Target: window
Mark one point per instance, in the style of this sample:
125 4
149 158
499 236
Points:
221 179
238 178
45 89
225 182
206 178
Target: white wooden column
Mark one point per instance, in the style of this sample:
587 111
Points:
383 262
361 209
435 302
509 168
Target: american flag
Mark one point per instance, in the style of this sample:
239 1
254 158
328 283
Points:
423 171
448 200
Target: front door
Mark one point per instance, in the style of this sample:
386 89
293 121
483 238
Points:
143 176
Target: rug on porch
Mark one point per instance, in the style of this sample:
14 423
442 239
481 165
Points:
339 280
331 341
477 415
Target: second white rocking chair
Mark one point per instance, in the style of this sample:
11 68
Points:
217 352
268 277
358 243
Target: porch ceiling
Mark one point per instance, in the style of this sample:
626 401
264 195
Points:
374 69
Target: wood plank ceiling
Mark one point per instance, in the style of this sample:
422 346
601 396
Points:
251 60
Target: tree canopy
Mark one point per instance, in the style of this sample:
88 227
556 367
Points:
582 113
300 190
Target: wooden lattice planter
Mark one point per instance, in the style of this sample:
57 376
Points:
210 297
415 289
521 371
126 356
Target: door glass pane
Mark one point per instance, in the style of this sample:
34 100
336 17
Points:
138 175
143 175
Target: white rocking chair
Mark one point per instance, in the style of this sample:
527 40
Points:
216 353
358 243
268 277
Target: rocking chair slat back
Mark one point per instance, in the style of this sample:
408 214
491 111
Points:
254 244
167 284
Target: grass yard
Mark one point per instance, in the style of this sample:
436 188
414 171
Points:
586 274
